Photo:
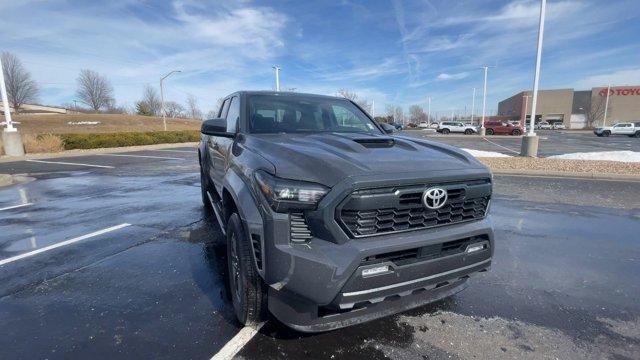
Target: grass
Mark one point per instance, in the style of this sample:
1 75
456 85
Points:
94 141
98 123
46 143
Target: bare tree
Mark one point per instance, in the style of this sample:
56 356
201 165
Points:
173 109
354 97
395 112
594 110
417 114
151 101
21 89
192 106
94 90
211 114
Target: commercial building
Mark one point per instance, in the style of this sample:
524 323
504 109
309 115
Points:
576 109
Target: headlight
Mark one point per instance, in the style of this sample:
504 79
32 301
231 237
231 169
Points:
284 195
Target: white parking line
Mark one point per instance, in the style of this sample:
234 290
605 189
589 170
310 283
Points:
15 206
142 156
68 163
182 151
230 349
62 243
504 147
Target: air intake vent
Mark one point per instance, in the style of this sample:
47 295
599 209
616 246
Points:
376 142
300 232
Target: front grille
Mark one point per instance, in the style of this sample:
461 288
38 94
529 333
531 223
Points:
379 211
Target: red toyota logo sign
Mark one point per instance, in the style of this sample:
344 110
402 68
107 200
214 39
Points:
622 92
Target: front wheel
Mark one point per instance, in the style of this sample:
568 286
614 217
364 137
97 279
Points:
445 131
489 132
248 292
515 133
637 134
468 131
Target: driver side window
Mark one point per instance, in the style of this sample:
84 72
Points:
233 114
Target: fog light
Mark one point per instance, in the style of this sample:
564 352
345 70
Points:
375 271
474 248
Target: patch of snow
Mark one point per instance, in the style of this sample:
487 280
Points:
83 122
480 153
621 156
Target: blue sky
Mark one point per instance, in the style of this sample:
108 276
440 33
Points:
393 52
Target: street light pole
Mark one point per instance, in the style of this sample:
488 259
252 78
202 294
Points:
11 139
606 107
164 115
373 109
429 111
473 105
530 141
277 69
484 101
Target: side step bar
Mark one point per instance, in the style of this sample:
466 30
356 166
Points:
216 210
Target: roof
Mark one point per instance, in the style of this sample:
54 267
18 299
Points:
286 93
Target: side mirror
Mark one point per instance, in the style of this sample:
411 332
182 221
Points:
215 127
389 129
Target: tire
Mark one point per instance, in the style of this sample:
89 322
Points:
203 190
248 292
468 132
637 134
606 133
445 131
515 133
489 131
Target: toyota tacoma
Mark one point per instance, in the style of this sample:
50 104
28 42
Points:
330 219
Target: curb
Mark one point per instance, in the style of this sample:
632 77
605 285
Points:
77 152
564 174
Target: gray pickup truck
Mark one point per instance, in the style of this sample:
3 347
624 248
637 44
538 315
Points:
331 220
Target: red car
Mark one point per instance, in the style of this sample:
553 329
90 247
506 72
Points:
500 127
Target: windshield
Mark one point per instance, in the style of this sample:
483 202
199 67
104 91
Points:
271 114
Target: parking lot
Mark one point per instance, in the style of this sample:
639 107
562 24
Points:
130 266
552 142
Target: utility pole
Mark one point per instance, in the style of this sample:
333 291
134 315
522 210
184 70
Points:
164 115
606 107
530 141
473 105
373 109
11 138
429 113
277 69
484 100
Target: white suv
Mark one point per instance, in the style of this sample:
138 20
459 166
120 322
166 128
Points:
557 126
629 129
446 127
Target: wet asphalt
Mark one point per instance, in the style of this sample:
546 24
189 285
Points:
552 142
564 281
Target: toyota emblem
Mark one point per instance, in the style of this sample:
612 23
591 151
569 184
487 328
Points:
434 198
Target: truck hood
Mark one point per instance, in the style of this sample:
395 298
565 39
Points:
328 158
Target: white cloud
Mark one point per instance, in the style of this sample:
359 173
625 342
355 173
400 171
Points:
617 78
457 76
257 29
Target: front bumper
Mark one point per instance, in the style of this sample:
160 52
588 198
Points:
324 287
